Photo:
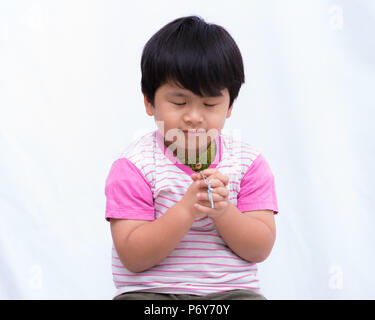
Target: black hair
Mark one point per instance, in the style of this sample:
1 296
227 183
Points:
194 55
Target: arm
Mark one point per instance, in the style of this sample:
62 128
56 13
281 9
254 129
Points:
250 235
139 239
142 244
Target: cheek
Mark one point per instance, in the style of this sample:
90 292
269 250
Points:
216 120
162 113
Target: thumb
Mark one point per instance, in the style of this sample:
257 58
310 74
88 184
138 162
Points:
196 176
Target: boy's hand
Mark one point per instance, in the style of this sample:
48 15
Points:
220 193
190 198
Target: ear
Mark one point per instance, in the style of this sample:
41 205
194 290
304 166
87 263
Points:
148 105
229 111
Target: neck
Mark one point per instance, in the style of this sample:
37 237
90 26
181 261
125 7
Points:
191 154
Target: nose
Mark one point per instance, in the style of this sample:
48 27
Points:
193 116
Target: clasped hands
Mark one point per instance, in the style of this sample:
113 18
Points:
218 182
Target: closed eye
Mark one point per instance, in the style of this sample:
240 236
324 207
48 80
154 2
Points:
182 104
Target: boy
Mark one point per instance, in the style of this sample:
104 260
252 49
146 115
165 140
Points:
171 240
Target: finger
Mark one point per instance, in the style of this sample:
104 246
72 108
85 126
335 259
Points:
209 171
218 175
215 183
203 196
204 203
203 208
224 178
222 191
196 176
208 210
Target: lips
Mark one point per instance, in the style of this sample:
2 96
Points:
194 131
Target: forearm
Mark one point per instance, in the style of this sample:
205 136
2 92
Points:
151 242
248 237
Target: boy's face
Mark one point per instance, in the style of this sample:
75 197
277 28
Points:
179 112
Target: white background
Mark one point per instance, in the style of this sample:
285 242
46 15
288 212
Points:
70 102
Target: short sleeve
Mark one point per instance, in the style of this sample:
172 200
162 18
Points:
257 188
128 193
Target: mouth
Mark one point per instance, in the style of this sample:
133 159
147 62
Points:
194 131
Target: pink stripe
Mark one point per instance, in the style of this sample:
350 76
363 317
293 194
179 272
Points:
193 284
157 210
194 241
142 157
183 180
144 282
246 275
169 185
186 271
196 249
244 165
199 248
196 289
196 271
203 234
167 276
149 173
246 151
167 199
179 194
205 263
206 225
230 166
132 156
203 257
192 277
200 219
220 285
161 204
148 164
232 182
203 289
203 249
165 165
160 154
241 143
243 150
180 173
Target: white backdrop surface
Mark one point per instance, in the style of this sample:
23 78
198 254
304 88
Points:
70 102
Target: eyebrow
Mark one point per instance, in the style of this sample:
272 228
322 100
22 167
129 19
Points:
180 94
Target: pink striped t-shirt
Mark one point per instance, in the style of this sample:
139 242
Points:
148 179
